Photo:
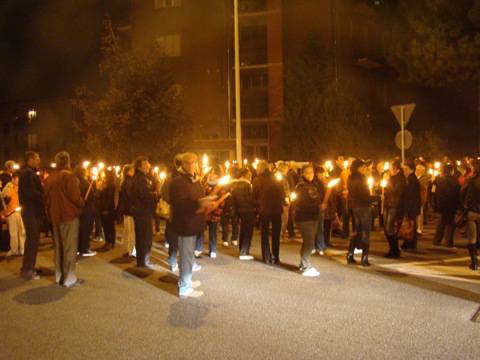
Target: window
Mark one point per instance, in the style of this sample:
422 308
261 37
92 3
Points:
32 141
163 4
254 80
170 44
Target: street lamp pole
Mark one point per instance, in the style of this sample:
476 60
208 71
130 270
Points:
238 115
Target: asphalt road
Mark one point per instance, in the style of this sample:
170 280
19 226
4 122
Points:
419 307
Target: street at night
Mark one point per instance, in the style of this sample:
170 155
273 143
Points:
417 307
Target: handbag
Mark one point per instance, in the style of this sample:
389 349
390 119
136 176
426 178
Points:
406 231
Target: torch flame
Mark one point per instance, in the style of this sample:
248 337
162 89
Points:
332 183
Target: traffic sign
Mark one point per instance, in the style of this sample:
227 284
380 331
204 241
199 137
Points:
407 112
408 139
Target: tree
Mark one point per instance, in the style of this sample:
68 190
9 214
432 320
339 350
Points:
321 113
137 110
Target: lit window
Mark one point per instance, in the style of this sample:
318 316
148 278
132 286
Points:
162 4
170 44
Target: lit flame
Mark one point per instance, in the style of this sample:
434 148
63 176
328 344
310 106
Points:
109 168
101 165
227 165
204 160
430 171
437 165
459 163
18 209
156 170
53 165
95 171
329 165
370 182
163 175
86 164
332 183
245 161
345 164
293 196
279 176
386 166
16 166
435 173
256 161
383 183
224 180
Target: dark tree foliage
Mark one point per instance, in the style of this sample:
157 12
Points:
137 110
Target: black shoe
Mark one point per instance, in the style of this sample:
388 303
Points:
364 261
350 259
472 250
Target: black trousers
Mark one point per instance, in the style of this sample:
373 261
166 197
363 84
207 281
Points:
143 238
290 224
225 221
247 223
273 253
327 231
86 225
445 226
33 224
108 223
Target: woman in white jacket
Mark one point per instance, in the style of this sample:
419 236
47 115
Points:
13 215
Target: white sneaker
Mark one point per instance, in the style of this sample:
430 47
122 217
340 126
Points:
246 257
196 284
357 251
312 272
192 294
225 243
196 267
213 255
174 268
321 252
235 243
198 253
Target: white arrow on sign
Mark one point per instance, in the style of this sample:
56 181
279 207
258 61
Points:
407 112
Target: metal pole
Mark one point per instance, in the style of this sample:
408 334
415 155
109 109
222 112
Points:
238 114
402 124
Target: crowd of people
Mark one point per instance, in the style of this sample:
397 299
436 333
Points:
192 196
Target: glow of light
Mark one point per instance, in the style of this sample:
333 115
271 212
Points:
435 173
38 173
345 164
245 161
227 165
163 175
332 183
156 170
95 171
254 165
279 176
53 165
293 196
329 165
370 182
18 209
206 169
383 183
101 165
437 165
109 168
204 160
16 166
459 163
386 166
31 114
117 169
224 180
86 164
256 161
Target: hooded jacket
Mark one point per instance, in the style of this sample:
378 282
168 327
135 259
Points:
307 204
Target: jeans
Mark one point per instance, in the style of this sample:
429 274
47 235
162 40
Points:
273 253
65 237
212 236
393 219
200 238
143 239
446 222
32 224
186 247
320 238
247 222
363 225
307 230
172 240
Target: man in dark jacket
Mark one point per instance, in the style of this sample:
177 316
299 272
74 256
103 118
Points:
447 198
30 194
87 217
244 208
143 206
472 206
188 219
269 200
292 181
412 203
393 208
360 201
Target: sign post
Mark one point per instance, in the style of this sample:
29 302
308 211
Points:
402 114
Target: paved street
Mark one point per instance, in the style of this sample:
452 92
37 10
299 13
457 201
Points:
418 307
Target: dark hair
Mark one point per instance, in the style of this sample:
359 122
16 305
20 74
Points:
242 172
137 164
447 169
410 164
397 164
126 169
356 164
177 160
318 169
80 172
30 155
